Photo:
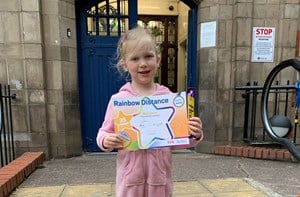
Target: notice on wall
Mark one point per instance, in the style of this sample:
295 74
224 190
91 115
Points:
208 34
263 39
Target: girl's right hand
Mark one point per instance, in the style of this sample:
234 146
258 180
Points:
112 140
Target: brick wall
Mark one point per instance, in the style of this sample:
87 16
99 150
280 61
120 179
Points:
254 152
13 174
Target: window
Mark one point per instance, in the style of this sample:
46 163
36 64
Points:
164 30
108 18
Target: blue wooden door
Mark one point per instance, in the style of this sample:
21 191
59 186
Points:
100 25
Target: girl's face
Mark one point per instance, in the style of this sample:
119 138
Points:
141 63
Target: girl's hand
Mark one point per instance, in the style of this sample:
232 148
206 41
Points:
112 140
195 127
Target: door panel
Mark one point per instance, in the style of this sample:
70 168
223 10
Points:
97 83
100 26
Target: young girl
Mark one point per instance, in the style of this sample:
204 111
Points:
141 173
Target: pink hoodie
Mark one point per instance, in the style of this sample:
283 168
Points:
142 173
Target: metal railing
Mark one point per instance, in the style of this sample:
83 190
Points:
282 104
7 152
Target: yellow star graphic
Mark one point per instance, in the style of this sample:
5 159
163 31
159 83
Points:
122 121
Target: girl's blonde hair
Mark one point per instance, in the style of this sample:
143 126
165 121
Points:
143 39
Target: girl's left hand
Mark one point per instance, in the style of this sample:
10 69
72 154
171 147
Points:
195 127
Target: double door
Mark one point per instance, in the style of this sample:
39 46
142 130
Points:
164 30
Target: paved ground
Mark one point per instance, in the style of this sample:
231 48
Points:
195 174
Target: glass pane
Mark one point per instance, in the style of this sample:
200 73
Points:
102 8
91 25
157 29
171 32
142 24
113 26
171 66
91 11
102 26
113 8
157 78
124 7
124 25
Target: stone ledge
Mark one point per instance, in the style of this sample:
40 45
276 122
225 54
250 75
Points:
254 152
13 174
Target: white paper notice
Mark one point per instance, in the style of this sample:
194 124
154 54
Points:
263 44
208 34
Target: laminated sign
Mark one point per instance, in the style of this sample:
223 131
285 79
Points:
151 121
263 43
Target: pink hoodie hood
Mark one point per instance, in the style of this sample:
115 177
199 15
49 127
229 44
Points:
127 91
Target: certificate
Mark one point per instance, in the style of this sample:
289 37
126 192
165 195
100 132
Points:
151 121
